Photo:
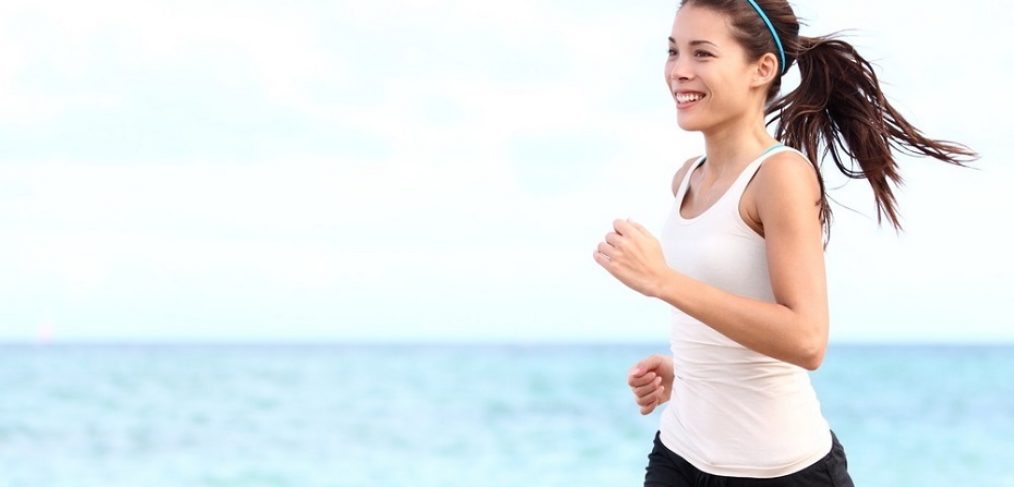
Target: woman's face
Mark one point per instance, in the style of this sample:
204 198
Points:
706 71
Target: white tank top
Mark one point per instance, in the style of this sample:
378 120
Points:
733 412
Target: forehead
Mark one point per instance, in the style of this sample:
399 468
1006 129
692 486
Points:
698 23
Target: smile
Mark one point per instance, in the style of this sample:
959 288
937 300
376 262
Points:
688 99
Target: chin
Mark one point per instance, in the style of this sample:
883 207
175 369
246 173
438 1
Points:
689 124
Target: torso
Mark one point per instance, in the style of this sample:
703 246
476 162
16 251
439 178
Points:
734 411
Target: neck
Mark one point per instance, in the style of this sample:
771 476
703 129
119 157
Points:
730 145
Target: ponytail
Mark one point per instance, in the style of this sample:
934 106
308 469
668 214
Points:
840 107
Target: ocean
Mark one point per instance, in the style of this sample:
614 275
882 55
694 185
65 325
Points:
453 415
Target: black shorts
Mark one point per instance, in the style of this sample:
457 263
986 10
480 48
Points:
667 469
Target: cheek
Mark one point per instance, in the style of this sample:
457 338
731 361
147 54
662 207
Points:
724 87
737 81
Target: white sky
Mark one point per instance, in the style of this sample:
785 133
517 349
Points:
438 170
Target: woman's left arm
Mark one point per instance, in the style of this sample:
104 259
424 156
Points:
795 327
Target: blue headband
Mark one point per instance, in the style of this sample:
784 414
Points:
774 34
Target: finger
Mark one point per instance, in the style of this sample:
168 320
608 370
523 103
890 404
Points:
648 363
657 393
651 400
628 227
637 370
650 403
602 259
621 226
642 380
658 399
647 394
648 389
606 249
637 226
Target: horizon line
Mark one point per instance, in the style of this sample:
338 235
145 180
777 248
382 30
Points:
445 342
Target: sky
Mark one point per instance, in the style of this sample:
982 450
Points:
440 170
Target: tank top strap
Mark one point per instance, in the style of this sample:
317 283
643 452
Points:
685 183
739 185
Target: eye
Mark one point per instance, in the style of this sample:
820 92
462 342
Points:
672 52
702 53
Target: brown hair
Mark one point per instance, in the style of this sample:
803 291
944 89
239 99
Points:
838 106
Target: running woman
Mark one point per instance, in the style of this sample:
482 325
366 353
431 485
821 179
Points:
740 258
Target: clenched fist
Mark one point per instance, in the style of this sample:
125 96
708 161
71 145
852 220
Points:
651 381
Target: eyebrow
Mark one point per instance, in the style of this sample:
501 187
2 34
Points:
695 43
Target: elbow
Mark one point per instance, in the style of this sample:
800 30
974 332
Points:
812 359
812 352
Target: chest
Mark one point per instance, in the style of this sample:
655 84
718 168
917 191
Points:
716 252
700 197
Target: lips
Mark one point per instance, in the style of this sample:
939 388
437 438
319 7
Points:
686 99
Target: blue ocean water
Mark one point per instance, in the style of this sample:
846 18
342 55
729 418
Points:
453 415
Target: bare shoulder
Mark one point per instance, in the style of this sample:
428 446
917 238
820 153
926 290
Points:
678 177
785 181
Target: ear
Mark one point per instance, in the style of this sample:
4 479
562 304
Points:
765 69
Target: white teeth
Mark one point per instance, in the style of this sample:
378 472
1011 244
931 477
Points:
684 98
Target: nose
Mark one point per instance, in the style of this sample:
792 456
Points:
678 69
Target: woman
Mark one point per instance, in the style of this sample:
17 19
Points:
740 257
